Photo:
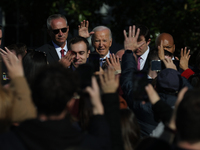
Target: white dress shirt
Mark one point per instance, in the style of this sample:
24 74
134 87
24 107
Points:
108 55
58 49
143 58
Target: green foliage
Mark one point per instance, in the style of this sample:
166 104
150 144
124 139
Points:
181 18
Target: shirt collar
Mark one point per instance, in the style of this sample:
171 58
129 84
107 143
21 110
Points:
58 48
144 56
108 55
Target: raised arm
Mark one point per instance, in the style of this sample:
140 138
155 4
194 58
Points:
83 29
109 84
23 107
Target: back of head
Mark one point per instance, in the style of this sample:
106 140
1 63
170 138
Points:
52 88
54 16
188 117
22 49
33 61
13 48
130 129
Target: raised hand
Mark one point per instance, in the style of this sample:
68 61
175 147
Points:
161 53
152 94
83 29
130 41
169 63
13 64
114 62
184 58
67 59
95 97
110 82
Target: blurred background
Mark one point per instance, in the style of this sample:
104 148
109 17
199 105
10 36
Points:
24 21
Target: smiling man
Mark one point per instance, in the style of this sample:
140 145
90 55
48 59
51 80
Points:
80 47
58 31
102 41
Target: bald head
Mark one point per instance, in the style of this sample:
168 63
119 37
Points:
168 42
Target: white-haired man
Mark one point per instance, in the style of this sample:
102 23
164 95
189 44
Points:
102 41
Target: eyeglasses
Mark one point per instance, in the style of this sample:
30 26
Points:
56 31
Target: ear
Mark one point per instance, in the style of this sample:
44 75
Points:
110 44
149 41
174 48
67 28
88 53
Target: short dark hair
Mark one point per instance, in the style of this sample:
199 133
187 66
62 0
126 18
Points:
52 88
78 39
22 49
188 117
13 47
144 31
0 26
33 61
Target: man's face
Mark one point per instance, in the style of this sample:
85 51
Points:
59 31
142 49
102 42
0 37
168 45
81 53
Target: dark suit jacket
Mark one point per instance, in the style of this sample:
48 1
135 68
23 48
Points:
50 51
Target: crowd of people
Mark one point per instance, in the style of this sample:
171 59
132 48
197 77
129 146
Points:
62 96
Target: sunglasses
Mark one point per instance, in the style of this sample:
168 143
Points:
56 31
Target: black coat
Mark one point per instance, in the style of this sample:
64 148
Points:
57 135
143 112
50 51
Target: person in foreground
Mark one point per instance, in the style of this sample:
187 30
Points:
52 90
15 100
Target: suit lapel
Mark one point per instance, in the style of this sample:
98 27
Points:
52 52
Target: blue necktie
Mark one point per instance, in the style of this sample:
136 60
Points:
101 62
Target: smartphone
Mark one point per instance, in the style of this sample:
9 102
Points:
157 65
94 61
139 82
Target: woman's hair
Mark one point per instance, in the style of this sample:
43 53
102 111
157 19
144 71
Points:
33 61
130 129
6 103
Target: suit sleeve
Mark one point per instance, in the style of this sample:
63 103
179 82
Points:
129 66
